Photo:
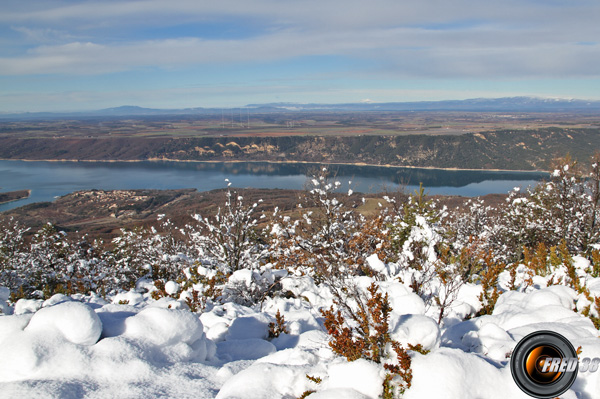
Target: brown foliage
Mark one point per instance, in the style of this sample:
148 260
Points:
370 339
489 283
277 328
400 371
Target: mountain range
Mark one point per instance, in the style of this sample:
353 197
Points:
506 104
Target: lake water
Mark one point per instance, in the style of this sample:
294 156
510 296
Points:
48 180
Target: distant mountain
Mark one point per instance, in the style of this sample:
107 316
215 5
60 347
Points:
116 112
507 104
512 104
128 110
132 110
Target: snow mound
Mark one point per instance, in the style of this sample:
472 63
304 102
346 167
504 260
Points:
164 326
360 375
417 329
12 324
244 276
28 305
171 287
75 321
548 305
55 300
376 264
131 298
282 382
217 332
402 299
292 356
460 375
490 340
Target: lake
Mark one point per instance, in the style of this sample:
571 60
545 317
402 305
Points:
48 180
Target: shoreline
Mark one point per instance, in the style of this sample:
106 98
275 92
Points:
277 162
16 199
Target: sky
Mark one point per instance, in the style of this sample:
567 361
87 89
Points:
66 55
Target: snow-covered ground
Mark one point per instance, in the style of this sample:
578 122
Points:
83 346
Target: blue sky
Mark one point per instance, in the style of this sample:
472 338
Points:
80 55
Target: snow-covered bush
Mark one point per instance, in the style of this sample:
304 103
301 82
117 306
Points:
128 260
49 262
11 248
321 243
249 287
565 208
230 238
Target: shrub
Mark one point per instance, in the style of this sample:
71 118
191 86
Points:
366 335
230 237
489 284
320 243
278 327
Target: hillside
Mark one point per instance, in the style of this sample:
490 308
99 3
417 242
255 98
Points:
499 149
13 196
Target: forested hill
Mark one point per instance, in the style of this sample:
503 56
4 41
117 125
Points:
500 149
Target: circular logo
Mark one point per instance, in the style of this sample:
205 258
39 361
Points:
544 364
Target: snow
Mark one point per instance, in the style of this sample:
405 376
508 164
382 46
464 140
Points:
244 349
217 332
171 287
84 347
402 299
417 329
339 393
10 325
360 375
75 321
243 276
131 297
376 264
134 346
164 327
460 375
264 381
27 305
55 300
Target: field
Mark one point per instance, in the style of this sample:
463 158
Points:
293 124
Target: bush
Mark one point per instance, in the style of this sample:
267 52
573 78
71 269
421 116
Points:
362 332
230 238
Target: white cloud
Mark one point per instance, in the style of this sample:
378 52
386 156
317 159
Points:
408 39
355 13
407 51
